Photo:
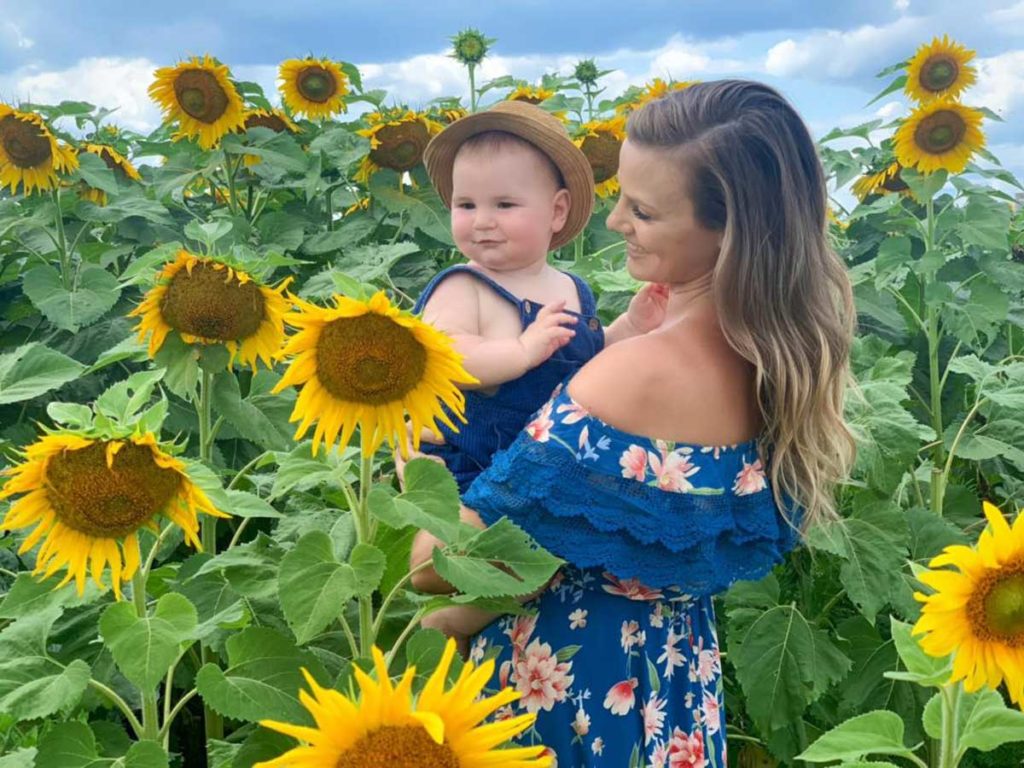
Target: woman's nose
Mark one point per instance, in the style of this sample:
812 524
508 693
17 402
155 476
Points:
614 221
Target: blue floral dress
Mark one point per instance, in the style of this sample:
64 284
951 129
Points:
620 659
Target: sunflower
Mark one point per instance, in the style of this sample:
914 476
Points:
470 46
450 114
29 153
397 140
531 95
655 89
90 497
939 70
198 94
116 162
942 134
367 363
977 611
208 302
600 141
313 87
276 120
883 182
442 729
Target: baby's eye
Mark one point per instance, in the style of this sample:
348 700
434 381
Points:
465 206
506 204
640 214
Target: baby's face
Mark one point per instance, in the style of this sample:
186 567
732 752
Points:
505 207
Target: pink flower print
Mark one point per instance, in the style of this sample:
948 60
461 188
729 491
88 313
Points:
670 654
654 718
598 746
750 479
631 635
573 412
503 672
476 653
659 755
634 463
620 698
709 663
631 588
712 713
578 618
540 428
542 680
504 713
657 620
581 725
672 469
686 749
521 631
549 753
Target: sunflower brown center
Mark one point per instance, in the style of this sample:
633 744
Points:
996 607
529 98
208 304
940 132
894 182
108 502
396 746
603 153
316 84
200 95
369 359
939 72
24 142
401 146
273 122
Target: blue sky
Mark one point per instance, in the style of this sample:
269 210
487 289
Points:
823 55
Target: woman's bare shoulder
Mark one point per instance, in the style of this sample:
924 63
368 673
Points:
673 386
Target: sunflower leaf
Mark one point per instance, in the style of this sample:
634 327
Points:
313 586
32 369
21 758
145 648
262 680
94 292
69 745
873 733
989 722
921 668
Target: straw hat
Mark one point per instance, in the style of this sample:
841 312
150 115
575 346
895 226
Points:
536 126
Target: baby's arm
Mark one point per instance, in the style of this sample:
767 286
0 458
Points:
454 308
460 622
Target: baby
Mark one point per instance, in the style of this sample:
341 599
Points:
517 188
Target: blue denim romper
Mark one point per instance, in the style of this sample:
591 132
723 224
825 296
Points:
494 421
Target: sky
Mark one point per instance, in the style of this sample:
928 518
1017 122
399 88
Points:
824 56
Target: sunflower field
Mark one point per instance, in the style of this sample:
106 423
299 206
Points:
207 364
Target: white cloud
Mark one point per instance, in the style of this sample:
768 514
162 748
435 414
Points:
105 81
834 54
1000 85
901 5
1004 17
11 33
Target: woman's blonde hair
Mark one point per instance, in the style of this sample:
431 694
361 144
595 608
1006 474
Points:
783 296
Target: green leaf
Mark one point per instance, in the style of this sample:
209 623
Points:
123 400
300 471
250 422
921 668
368 564
784 664
74 415
242 504
989 722
95 173
422 208
70 745
469 568
32 370
94 292
29 595
313 586
262 679
146 754
33 685
145 648
22 758
873 733
182 363
986 223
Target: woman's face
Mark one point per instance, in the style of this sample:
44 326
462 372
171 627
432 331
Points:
664 241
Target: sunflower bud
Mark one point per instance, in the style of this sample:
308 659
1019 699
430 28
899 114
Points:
470 46
586 72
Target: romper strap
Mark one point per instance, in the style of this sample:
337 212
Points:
588 304
421 302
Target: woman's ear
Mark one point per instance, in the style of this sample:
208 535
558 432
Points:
560 209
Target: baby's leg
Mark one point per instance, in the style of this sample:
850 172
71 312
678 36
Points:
460 622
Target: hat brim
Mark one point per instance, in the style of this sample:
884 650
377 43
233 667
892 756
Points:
439 157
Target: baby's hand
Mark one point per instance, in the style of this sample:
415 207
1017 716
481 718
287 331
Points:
647 307
547 333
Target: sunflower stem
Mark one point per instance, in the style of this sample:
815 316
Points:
413 623
395 590
950 714
62 243
931 322
231 171
364 536
150 713
115 699
472 87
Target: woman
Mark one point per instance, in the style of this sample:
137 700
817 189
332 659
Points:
686 458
